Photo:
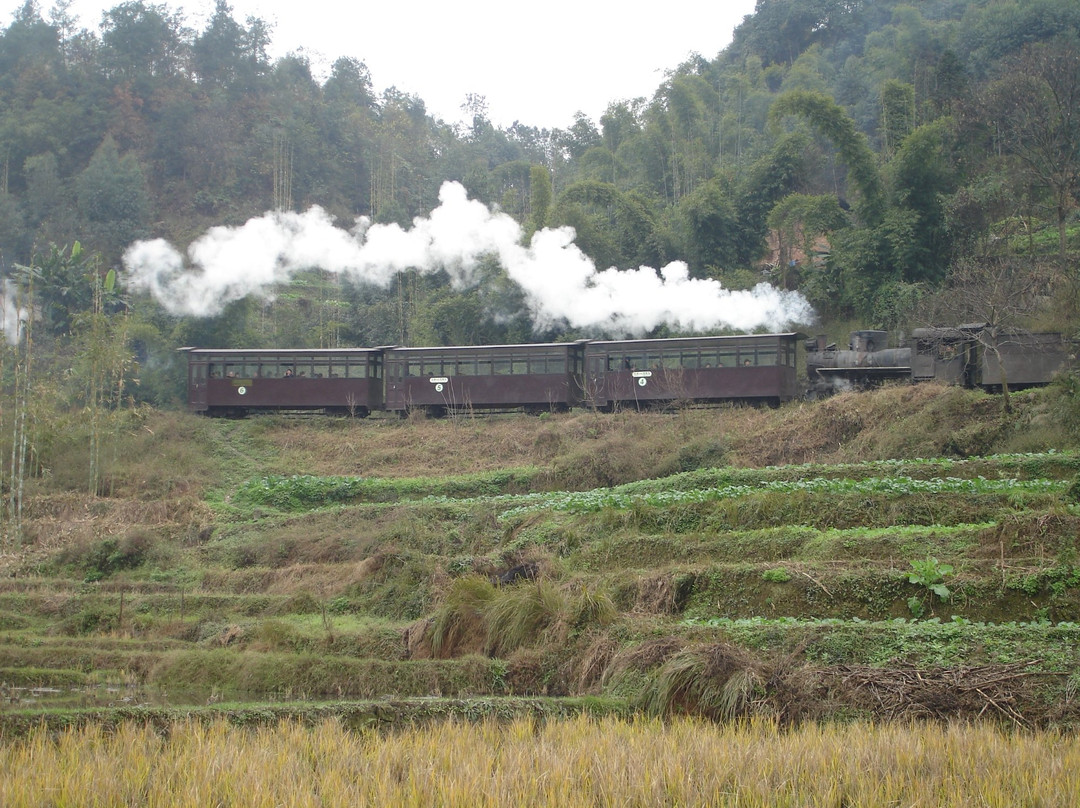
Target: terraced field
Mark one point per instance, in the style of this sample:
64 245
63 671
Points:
274 582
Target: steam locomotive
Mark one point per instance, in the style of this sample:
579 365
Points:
971 355
607 374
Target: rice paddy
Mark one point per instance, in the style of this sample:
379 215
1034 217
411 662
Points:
562 763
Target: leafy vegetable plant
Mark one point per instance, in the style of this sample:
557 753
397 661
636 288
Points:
929 573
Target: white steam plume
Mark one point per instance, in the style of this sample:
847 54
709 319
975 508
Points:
560 282
12 316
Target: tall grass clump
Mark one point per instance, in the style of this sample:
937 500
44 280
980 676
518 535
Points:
717 681
460 622
593 607
519 615
475 615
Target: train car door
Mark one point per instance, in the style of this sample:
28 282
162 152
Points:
197 396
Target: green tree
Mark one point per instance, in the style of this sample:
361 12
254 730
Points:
61 282
14 237
830 120
613 228
710 229
540 197
29 41
217 54
143 42
1035 111
897 114
921 178
781 171
113 198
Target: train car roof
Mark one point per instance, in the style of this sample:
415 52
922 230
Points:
672 340
276 351
508 347
528 346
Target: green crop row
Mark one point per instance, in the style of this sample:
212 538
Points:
304 491
599 499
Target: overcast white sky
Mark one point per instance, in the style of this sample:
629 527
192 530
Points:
537 63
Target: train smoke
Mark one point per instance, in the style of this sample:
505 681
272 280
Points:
560 282
12 316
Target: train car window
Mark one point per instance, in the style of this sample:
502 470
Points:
670 361
416 368
727 359
339 369
556 364
689 359
432 367
519 366
766 357
710 359
320 370
483 367
502 367
215 371
465 367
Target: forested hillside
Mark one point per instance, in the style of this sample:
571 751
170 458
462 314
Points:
867 154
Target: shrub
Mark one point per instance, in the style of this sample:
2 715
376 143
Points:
778 575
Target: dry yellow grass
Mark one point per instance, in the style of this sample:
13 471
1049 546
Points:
577 762
896 421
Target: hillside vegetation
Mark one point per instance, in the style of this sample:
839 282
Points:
906 552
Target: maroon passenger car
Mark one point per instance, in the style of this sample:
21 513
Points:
536 378
234 382
753 368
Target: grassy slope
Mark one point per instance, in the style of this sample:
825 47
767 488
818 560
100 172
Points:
210 569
